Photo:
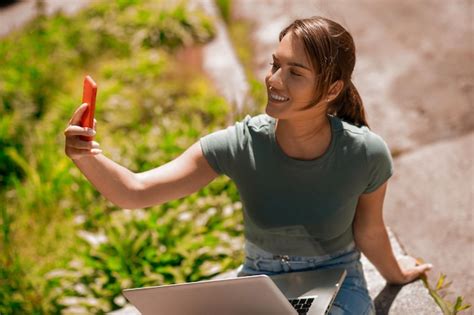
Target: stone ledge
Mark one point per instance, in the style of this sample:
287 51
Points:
126 310
412 298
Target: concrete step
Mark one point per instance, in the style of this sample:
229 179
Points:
429 204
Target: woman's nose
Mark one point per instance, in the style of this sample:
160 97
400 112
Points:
275 79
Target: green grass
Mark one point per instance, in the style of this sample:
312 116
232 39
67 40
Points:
149 109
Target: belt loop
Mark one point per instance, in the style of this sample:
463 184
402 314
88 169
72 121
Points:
284 262
255 263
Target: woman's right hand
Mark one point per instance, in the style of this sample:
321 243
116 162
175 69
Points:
75 147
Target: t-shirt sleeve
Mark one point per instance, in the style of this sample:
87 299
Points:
380 163
222 148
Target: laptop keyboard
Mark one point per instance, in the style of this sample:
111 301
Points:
302 305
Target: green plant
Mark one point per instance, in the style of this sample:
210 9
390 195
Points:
17 293
439 293
163 245
225 10
148 112
36 63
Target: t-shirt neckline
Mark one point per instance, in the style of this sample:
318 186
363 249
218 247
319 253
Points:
315 162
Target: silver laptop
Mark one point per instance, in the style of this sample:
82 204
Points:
306 292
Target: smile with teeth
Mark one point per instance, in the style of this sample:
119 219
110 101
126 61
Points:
277 97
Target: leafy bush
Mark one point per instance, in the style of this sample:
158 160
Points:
138 248
36 63
149 109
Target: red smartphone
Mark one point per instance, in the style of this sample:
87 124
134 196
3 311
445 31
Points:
89 93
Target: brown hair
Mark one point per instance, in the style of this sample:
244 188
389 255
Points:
331 50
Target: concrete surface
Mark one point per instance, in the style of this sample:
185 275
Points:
430 199
412 298
20 12
126 310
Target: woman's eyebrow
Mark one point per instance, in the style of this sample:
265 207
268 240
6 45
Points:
296 64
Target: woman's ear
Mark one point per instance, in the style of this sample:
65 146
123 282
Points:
335 89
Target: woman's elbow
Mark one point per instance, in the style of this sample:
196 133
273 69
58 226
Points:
130 200
125 204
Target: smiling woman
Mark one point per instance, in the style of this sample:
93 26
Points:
311 174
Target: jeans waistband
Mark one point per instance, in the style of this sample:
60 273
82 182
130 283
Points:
261 260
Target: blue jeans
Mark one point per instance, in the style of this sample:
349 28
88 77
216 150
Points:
353 296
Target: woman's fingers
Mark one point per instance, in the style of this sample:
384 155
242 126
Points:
76 117
77 148
78 153
76 143
74 130
421 269
414 273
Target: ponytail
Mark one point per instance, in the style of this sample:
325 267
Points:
348 106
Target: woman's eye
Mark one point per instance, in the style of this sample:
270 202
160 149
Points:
275 66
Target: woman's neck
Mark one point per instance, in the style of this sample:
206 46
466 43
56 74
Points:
304 139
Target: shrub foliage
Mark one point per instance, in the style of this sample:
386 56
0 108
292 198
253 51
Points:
64 248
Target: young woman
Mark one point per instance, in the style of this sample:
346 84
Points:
311 174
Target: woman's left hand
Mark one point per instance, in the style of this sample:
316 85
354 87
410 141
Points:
412 274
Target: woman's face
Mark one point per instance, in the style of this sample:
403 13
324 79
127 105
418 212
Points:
291 81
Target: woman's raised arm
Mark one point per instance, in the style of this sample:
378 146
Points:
178 178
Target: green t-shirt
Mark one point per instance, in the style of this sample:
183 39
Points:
298 207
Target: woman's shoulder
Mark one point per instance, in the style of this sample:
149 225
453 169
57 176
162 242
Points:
363 136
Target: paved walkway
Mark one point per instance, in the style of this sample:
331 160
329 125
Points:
17 14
